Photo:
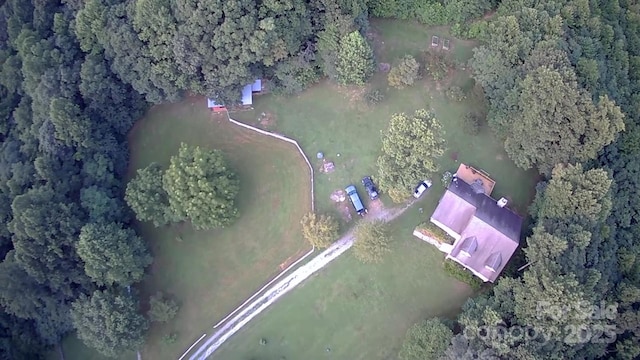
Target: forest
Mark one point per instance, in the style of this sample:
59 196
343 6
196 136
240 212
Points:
563 83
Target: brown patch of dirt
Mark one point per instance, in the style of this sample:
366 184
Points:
266 120
454 156
375 206
354 94
499 157
345 212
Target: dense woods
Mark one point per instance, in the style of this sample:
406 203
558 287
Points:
562 79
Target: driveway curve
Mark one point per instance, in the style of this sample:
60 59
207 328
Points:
271 295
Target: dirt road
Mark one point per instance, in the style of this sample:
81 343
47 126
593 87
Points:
272 294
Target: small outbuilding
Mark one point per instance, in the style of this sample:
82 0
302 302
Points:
247 96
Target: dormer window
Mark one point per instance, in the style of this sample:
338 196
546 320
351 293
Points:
469 246
493 262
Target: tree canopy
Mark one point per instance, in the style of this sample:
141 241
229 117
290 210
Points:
354 64
145 194
112 254
109 322
426 341
410 149
319 230
201 187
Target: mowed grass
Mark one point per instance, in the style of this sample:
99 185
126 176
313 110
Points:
210 273
350 310
354 311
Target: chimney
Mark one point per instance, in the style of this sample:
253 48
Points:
502 202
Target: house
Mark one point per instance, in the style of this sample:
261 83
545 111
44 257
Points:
485 231
246 100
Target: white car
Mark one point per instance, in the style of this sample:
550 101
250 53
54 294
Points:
421 188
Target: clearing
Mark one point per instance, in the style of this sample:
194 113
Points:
350 310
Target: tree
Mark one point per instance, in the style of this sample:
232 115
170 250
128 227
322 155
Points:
426 341
109 322
405 73
355 60
161 309
554 122
410 149
371 241
319 230
112 254
201 187
148 199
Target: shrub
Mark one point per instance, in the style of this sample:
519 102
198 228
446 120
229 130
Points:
457 271
320 231
435 65
170 338
371 241
374 97
455 93
436 232
405 73
446 178
161 309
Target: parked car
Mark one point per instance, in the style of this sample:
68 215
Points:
352 192
421 188
370 187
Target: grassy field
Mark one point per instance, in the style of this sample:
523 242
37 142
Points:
210 273
355 311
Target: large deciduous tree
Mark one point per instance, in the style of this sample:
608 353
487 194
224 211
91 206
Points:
145 194
112 254
354 64
411 147
109 322
202 187
319 230
555 122
427 340
371 241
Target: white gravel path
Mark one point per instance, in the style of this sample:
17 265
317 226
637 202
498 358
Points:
272 294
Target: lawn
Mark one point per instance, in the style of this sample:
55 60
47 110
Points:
210 273
355 311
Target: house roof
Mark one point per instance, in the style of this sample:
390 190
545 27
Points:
479 249
487 234
453 212
247 95
500 218
256 86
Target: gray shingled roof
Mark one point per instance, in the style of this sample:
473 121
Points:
502 219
